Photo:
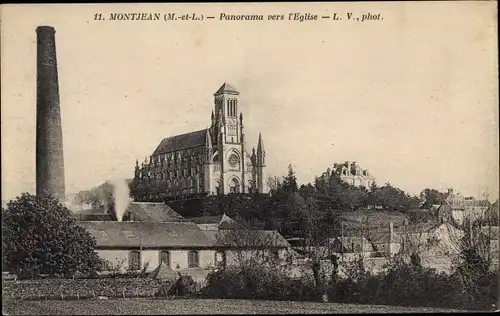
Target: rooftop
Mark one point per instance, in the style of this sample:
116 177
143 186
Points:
151 212
180 142
148 234
226 88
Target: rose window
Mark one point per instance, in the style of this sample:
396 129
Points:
233 161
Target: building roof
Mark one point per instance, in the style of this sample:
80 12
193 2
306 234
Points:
418 227
374 217
154 234
180 142
164 272
215 219
221 221
383 237
248 238
226 88
151 212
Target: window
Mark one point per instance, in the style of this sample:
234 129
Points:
193 259
165 257
134 260
220 257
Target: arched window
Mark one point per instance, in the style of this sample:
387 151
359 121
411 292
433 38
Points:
165 257
193 259
228 107
234 186
134 260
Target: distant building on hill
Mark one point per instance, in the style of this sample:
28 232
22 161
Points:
351 173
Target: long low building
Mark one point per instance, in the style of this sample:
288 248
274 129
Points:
143 242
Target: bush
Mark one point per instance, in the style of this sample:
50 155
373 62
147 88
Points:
410 284
256 282
41 236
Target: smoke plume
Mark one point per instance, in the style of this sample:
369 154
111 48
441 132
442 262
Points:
121 196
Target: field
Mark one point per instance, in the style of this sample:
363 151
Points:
195 306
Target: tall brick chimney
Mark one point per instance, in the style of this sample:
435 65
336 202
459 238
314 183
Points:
49 144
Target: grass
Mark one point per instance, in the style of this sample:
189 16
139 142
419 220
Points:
195 306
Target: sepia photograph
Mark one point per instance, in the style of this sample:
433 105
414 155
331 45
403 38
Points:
250 158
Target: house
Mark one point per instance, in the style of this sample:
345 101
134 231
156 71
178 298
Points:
351 244
491 215
490 235
387 242
217 222
351 173
237 245
374 218
456 208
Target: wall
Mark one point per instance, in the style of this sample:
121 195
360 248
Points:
177 258
84 288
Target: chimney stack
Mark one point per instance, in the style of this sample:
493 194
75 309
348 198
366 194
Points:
49 144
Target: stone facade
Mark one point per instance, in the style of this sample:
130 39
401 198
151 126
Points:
211 161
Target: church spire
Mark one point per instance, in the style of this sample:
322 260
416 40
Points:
208 147
260 145
208 139
261 153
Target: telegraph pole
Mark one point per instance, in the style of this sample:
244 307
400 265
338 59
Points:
140 250
342 240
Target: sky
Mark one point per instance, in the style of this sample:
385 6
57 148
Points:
413 98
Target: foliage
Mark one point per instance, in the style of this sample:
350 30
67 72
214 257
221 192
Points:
257 282
40 236
410 284
185 286
432 197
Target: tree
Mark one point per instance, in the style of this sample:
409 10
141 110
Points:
41 236
289 184
431 197
274 184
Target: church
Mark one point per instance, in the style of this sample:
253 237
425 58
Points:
211 161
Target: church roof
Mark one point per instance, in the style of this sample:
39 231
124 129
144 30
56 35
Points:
226 88
180 142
